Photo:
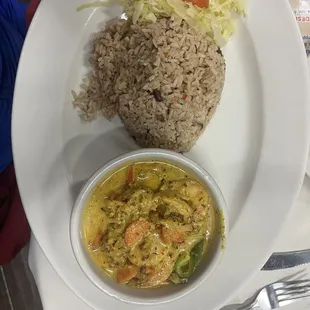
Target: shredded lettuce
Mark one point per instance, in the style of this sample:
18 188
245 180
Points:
216 21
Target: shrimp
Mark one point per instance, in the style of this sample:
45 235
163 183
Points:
136 231
171 235
194 193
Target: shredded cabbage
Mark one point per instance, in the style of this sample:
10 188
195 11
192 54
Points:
216 21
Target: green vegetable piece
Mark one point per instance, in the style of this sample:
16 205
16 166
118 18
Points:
197 253
184 265
175 279
187 262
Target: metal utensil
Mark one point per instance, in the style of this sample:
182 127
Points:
277 295
283 260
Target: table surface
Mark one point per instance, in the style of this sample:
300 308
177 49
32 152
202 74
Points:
18 290
295 236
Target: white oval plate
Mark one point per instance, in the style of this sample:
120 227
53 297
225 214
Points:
255 147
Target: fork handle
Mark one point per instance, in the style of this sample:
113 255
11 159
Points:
249 306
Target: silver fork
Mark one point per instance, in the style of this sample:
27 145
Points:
277 295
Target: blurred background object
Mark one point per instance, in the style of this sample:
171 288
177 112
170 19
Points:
301 10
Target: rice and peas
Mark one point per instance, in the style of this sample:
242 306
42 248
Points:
163 78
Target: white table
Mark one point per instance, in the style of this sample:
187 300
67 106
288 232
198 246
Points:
56 295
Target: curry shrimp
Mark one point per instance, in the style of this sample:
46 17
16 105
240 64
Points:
149 224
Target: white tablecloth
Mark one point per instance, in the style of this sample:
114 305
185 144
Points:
56 295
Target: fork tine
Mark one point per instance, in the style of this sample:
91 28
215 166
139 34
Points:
292 288
291 285
289 298
296 291
295 282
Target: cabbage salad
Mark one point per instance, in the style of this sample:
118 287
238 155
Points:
215 18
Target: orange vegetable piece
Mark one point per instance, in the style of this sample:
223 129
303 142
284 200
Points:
112 196
149 269
96 242
130 176
200 3
136 231
170 235
126 273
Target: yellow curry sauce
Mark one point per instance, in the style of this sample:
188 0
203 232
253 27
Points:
149 223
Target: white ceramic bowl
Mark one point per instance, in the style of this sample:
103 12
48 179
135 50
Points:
134 295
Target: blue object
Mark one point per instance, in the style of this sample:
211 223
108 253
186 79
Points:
12 33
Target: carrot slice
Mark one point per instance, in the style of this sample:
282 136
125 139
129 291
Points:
200 3
130 176
112 196
126 273
149 269
96 242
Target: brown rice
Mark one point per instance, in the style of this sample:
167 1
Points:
164 80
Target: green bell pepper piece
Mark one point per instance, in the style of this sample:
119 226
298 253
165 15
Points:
187 262
197 253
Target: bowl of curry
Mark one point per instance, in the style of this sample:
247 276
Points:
149 226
